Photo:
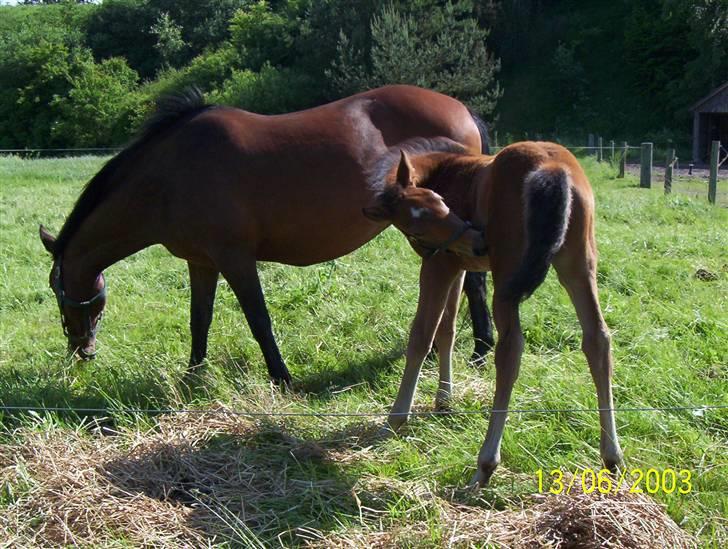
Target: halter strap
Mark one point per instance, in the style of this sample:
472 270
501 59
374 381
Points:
85 306
430 251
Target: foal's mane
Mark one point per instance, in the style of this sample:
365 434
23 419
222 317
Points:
170 111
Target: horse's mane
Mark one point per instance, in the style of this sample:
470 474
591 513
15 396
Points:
384 165
170 111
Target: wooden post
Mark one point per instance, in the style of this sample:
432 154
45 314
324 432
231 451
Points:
623 161
611 147
600 153
590 144
646 166
713 181
495 138
669 163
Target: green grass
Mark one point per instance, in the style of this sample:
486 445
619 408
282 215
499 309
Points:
342 327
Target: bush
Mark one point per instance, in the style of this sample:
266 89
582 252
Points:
95 110
269 91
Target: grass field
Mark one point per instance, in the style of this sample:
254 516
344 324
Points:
342 327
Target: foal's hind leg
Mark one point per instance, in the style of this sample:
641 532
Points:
203 283
242 275
579 279
508 352
475 290
444 340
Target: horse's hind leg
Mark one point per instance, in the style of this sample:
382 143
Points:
508 352
242 275
203 283
444 340
579 279
475 290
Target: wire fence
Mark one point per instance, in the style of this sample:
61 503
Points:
698 410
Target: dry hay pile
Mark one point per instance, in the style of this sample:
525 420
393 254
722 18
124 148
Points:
577 520
198 480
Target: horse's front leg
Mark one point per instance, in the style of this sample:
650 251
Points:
445 340
203 283
437 275
475 290
242 274
508 352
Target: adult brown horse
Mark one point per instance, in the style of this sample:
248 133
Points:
537 208
223 188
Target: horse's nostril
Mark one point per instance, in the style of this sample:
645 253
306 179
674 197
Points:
480 252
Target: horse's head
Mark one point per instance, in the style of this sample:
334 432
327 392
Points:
80 317
423 216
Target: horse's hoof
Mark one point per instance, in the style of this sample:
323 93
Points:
385 432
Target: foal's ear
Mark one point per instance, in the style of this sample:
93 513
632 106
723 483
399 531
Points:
48 240
405 171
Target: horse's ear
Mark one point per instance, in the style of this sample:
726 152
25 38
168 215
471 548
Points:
48 240
405 171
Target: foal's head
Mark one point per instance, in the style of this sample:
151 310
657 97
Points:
80 317
423 216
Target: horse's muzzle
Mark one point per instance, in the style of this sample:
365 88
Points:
84 352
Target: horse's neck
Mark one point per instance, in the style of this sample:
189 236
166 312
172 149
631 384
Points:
102 240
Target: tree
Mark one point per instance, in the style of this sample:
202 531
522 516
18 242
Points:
445 51
169 44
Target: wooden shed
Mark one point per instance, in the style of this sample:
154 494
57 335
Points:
710 122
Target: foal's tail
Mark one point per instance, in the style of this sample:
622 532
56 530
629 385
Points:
547 207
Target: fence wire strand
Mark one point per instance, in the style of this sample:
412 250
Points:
700 409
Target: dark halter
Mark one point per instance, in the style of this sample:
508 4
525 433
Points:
85 306
434 250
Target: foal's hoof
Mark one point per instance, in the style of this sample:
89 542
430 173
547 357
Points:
443 406
481 478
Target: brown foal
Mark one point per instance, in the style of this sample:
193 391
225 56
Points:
536 207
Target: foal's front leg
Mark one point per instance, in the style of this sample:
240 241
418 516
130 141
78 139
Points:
437 275
203 284
445 340
242 275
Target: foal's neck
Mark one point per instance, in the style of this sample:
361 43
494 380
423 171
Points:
458 180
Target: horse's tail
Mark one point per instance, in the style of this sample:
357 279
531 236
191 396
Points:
547 207
483 131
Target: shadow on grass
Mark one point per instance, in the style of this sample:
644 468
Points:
327 383
256 484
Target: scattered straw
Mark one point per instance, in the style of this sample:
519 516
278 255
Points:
200 480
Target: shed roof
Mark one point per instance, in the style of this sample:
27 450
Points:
717 91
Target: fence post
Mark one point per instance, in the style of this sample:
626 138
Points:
600 153
611 147
713 181
669 163
590 144
623 161
495 138
646 166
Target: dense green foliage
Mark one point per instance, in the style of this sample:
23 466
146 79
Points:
342 327
81 74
